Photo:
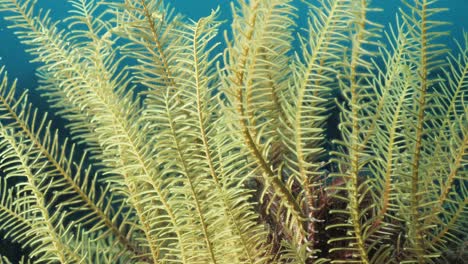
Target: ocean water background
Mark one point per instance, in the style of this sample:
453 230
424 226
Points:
12 53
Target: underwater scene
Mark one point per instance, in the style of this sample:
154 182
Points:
241 131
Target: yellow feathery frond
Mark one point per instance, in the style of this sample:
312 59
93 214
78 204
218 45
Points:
183 150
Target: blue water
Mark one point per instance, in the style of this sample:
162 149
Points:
13 56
